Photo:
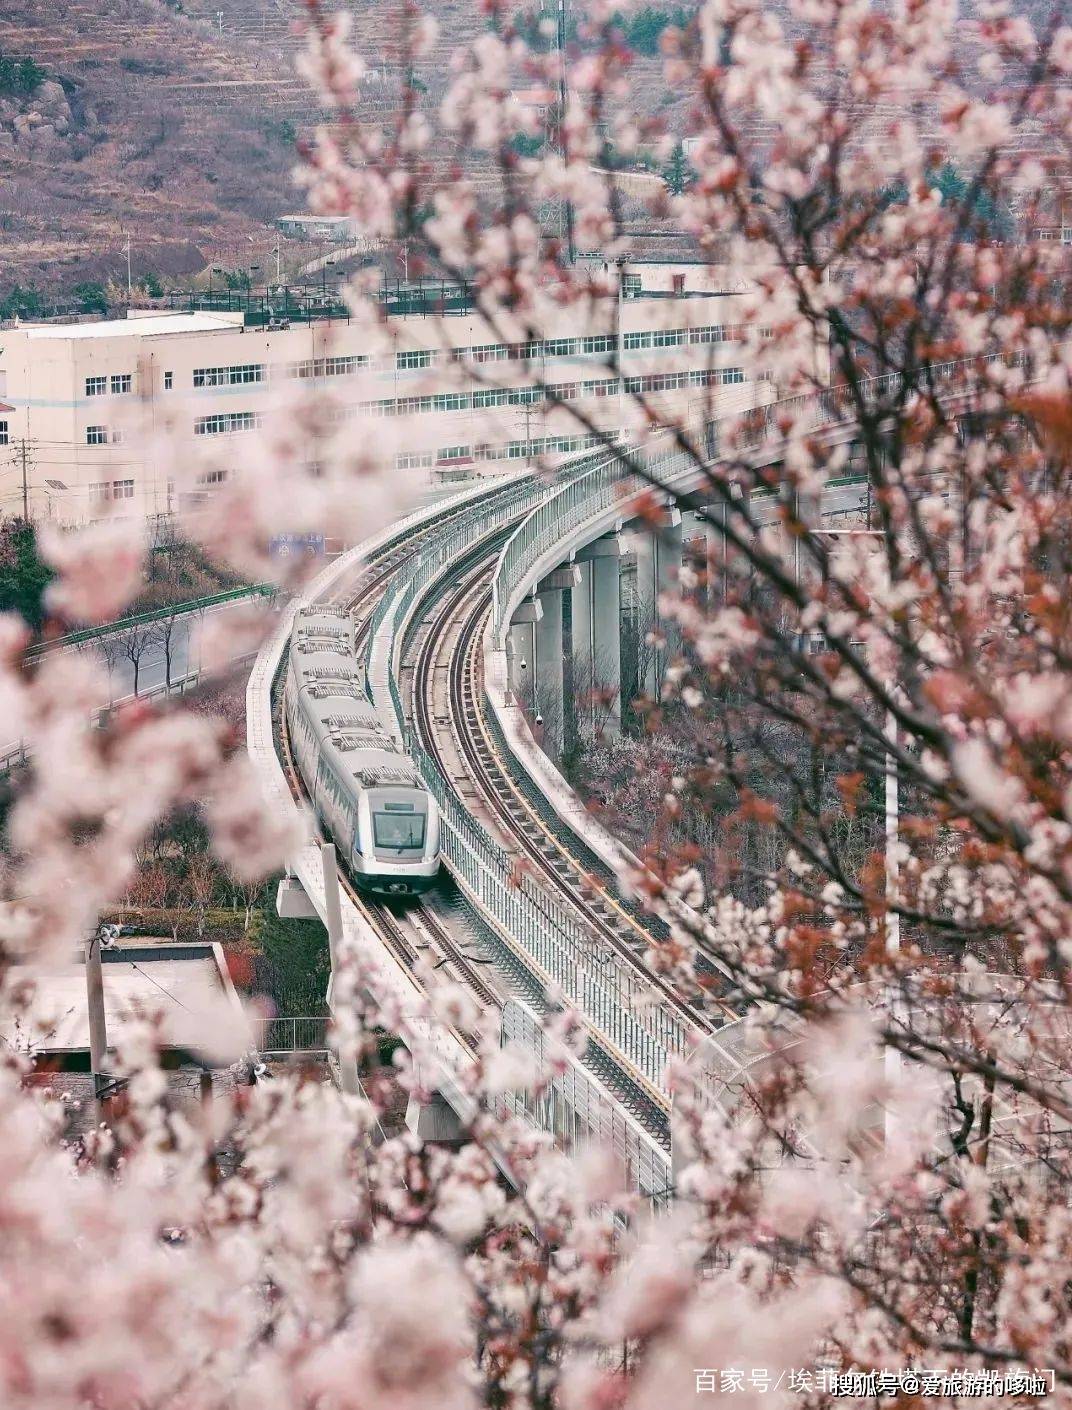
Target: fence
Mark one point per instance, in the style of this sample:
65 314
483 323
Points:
157 614
18 753
293 1035
579 1112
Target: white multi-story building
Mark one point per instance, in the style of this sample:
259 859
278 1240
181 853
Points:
70 393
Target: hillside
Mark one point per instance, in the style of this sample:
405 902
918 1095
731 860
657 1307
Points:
175 121
146 122
172 120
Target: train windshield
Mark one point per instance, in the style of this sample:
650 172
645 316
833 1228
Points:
398 829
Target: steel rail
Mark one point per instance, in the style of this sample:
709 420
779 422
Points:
495 786
378 914
429 738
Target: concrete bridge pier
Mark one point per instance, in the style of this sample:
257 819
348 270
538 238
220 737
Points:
645 618
700 554
550 657
434 1121
521 654
658 570
668 555
597 638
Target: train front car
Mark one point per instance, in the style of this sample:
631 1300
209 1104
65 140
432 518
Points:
396 848
367 794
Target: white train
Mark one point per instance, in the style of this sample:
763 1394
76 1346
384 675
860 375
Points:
366 792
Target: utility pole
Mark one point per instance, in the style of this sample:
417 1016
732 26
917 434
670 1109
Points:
98 1031
23 457
130 286
567 205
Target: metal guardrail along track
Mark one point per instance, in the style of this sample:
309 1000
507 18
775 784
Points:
610 993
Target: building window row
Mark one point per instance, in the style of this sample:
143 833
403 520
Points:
327 367
238 375
226 422
5 434
414 357
596 344
488 397
118 384
244 374
104 491
673 381
510 450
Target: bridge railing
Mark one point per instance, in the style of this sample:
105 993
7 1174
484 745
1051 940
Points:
598 481
546 937
614 999
585 496
155 614
579 1112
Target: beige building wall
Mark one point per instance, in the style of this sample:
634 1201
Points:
460 396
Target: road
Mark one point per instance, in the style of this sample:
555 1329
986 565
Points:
152 671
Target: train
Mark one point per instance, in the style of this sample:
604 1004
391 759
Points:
365 790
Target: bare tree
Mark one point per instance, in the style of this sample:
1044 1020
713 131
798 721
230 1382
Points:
134 643
162 634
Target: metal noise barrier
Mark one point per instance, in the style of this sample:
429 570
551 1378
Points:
577 1111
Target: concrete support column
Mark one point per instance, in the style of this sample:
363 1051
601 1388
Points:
581 641
434 1121
550 657
646 610
599 671
668 585
347 1058
550 684
577 653
724 563
521 654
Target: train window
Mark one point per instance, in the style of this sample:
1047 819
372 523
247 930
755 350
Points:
402 830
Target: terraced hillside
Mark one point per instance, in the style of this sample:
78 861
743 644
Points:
172 120
175 121
113 142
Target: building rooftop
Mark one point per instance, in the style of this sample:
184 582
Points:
187 983
139 325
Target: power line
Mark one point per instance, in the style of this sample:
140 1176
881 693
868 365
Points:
22 455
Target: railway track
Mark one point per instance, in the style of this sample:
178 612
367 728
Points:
426 929
417 933
558 871
417 929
